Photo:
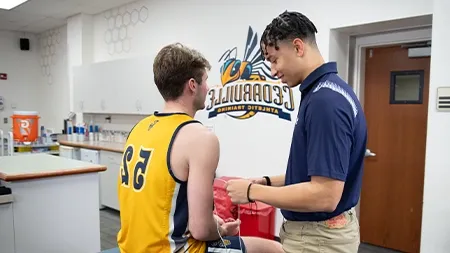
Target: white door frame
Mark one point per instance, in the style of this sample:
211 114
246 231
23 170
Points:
374 40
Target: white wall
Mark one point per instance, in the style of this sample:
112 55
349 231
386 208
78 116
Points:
19 91
54 90
215 27
37 79
435 221
143 27
79 50
211 31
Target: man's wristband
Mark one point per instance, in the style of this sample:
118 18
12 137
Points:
248 194
268 182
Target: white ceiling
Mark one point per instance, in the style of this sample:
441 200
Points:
40 15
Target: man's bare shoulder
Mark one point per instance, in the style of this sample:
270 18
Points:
198 134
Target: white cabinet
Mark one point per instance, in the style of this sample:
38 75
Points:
124 86
109 178
69 152
92 156
89 155
90 94
6 227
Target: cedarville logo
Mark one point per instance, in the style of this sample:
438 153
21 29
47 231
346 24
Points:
248 87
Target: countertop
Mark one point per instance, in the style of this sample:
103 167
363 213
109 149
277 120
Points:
33 166
97 145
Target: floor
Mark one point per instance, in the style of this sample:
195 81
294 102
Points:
110 225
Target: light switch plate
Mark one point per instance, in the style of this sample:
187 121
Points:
443 99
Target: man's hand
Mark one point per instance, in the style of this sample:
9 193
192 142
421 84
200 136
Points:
259 180
237 190
219 220
231 228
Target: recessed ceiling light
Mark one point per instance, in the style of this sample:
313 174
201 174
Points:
9 4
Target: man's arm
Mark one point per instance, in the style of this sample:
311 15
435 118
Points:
276 181
203 158
320 195
329 141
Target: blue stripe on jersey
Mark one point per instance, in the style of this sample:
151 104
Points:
180 219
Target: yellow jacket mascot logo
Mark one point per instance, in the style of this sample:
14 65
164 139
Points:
248 87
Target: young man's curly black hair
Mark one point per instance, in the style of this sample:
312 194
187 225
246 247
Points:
288 26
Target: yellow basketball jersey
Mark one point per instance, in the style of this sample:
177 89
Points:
153 202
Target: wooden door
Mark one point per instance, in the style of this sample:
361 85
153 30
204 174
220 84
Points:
396 106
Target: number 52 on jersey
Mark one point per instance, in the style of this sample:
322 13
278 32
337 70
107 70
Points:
138 160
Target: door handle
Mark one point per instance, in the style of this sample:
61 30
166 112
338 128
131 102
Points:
369 153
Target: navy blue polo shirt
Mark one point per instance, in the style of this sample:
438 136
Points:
329 139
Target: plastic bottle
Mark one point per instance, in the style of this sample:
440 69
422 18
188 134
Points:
69 130
81 133
75 133
91 132
43 137
97 133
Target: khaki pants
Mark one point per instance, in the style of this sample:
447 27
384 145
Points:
336 235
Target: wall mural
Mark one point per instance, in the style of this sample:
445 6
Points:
49 45
247 86
120 22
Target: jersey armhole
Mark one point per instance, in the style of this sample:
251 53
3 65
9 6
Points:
169 150
128 136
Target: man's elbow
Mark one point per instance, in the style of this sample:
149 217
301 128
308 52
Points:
330 205
329 192
199 234
199 231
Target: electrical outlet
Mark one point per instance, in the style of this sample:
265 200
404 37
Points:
5 120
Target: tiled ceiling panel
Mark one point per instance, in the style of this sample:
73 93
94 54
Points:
39 15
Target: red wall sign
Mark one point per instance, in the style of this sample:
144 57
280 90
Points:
3 76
